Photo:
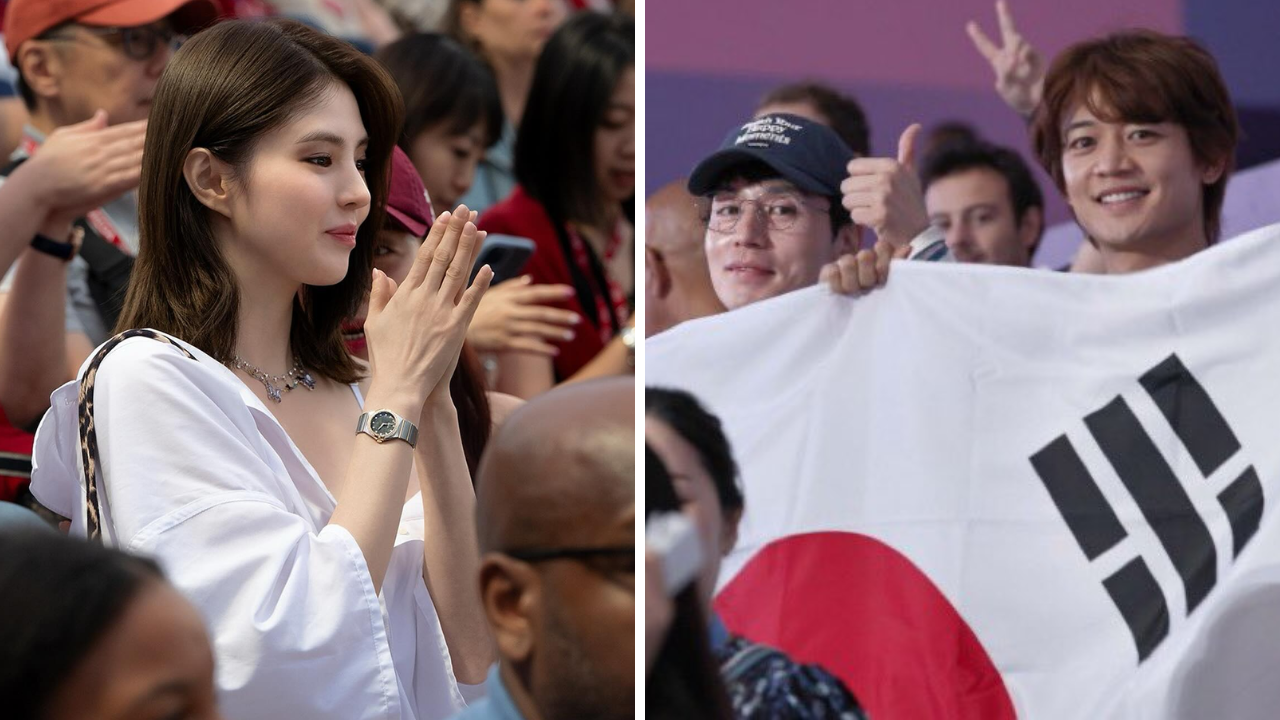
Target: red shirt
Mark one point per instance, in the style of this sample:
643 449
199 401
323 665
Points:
15 459
522 216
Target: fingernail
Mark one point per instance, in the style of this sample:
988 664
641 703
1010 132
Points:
567 292
568 334
576 319
444 216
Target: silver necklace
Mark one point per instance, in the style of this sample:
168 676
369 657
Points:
279 383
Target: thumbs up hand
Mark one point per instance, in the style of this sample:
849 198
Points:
884 193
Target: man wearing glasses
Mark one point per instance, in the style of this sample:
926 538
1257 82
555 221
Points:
75 57
784 192
555 513
87 70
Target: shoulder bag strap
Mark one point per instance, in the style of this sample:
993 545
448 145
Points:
89 435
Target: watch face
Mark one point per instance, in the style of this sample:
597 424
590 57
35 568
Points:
382 423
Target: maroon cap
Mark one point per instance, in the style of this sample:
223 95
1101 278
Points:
408 205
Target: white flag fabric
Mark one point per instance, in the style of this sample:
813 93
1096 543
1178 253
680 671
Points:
1082 469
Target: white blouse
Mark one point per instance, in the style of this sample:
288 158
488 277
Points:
196 472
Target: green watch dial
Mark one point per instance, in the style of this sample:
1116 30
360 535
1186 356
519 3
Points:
383 424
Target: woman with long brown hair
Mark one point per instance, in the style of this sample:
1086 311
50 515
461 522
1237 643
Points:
219 440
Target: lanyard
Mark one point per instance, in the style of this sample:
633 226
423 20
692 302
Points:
608 318
97 218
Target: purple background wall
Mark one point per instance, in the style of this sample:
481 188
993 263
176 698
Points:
709 61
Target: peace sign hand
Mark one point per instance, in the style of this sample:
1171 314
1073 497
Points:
1018 67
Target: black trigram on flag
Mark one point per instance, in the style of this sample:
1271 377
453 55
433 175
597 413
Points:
1157 491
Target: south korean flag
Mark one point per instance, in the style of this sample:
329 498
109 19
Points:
986 492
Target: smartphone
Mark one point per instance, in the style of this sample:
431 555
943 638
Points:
673 538
506 254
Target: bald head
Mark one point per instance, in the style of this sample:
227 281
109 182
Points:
672 221
561 468
559 478
677 282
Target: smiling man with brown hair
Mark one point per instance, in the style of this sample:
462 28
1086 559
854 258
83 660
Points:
1138 131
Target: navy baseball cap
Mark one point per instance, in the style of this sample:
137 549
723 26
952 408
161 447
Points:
807 154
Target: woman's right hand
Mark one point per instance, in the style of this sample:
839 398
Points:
415 331
513 317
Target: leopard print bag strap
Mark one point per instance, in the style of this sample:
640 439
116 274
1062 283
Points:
88 434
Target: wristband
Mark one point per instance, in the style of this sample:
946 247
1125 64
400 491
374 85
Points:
61 250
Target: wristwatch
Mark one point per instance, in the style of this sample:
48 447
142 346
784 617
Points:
384 425
629 342
60 250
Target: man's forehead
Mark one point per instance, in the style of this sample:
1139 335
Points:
586 523
1097 109
973 184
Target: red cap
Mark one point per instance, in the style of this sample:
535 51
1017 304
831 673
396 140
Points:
408 205
27 19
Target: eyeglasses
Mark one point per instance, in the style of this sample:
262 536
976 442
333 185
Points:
137 43
614 561
780 211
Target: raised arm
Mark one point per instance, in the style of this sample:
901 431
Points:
415 334
451 555
1018 68
80 167
884 194
35 342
